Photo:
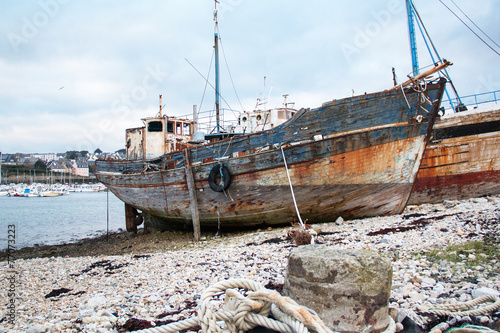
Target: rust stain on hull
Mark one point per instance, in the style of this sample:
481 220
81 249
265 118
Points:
463 163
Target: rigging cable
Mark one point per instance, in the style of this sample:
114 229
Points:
230 77
470 28
206 81
446 74
474 23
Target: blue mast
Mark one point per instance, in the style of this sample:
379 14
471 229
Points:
413 42
425 35
216 46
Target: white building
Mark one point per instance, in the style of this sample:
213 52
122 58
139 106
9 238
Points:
45 157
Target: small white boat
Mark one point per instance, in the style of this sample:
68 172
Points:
51 194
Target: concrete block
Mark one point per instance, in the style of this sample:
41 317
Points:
349 290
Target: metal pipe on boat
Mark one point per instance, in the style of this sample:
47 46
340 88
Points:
195 118
160 107
431 71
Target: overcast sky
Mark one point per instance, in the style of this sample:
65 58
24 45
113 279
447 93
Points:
75 74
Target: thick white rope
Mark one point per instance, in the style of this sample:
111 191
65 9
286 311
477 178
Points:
466 308
291 189
406 99
240 313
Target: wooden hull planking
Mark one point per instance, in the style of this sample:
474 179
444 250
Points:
461 166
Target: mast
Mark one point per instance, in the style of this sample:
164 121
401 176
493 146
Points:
412 12
413 42
161 115
216 47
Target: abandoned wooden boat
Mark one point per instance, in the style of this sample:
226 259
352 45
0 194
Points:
353 157
461 160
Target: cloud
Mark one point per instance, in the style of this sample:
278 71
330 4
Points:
114 58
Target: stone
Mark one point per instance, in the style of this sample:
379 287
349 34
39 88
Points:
349 290
86 312
96 301
428 282
36 329
417 297
484 291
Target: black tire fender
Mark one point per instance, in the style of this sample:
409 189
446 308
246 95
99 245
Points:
219 178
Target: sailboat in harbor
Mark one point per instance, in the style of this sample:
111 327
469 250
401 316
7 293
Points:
353 157
461 160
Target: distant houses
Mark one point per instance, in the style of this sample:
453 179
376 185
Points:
61 166
81 167
78 167
21 167
57 163
46 157
9 159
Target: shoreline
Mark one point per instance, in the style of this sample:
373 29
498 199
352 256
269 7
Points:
122 242
118 243
98 286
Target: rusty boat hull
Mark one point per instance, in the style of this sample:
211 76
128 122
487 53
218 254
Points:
462 159
355 157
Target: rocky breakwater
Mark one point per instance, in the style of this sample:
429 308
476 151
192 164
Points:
105 293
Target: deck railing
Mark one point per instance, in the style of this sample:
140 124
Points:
473 100
207 123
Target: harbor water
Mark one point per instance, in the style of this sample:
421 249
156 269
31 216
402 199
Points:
58 220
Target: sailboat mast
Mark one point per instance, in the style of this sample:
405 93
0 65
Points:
216 47
413 42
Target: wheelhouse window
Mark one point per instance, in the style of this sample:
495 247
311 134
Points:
282 115
178 128
170 127
155 126
186 129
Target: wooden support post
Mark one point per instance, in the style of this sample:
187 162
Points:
130 214
192 195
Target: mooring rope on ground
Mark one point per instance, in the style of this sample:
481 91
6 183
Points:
242 313
268 308
465 308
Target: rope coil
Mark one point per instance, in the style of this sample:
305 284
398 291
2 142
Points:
242 313
466 308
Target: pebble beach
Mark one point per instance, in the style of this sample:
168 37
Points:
156 285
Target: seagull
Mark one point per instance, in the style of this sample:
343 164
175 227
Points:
61 88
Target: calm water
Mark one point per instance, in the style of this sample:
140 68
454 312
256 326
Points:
56 220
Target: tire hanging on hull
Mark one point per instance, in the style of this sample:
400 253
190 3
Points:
219 178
